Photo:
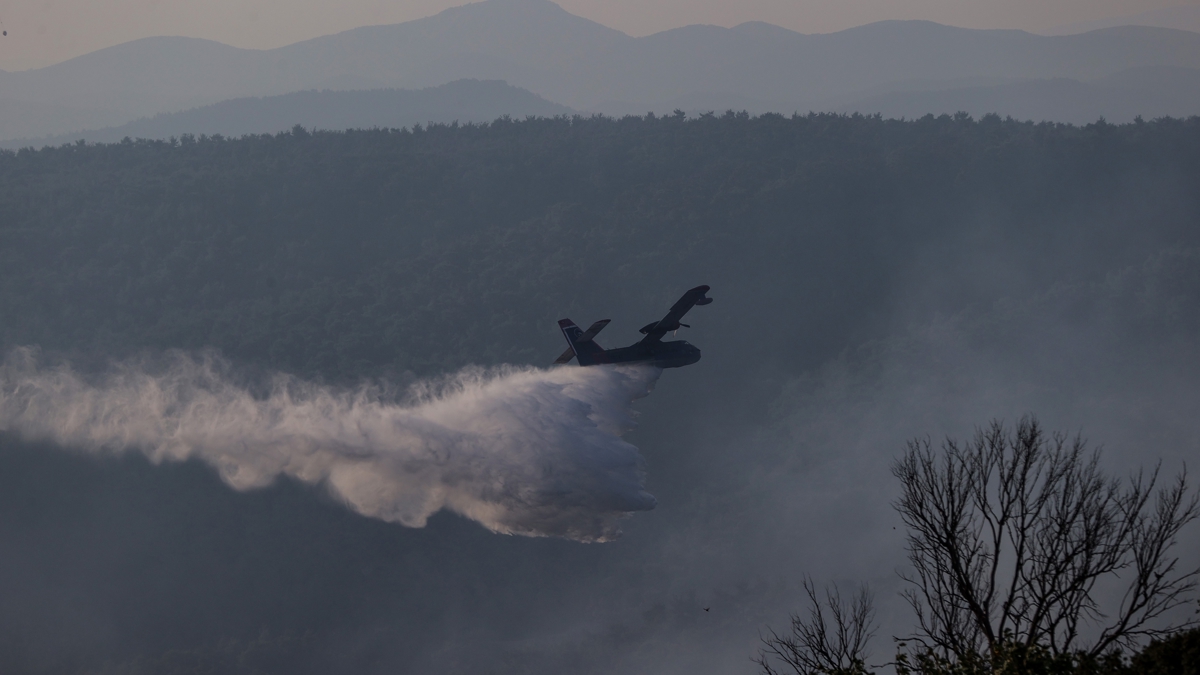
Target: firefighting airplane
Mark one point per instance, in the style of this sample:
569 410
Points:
650 350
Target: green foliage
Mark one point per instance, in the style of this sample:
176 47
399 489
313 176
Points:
1013 658
1178 654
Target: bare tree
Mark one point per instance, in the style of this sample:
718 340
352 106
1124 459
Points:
1017 538
832 640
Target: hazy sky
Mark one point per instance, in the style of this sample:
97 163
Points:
41 32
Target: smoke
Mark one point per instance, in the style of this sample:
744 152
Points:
519 450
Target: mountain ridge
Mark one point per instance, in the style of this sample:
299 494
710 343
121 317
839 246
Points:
1182 17
1149 92
538 46
462 101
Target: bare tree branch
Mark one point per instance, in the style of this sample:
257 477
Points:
831 640
1011 533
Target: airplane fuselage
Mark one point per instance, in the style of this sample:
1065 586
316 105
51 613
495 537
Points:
650 350
672 354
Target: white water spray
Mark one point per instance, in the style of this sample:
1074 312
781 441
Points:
520 450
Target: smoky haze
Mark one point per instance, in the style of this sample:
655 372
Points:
874 280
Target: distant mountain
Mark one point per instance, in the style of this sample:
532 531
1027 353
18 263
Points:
1149 92
459 101
1186 17
538 46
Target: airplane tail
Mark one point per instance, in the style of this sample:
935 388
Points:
584 347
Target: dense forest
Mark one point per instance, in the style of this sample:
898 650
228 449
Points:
337 254
874 279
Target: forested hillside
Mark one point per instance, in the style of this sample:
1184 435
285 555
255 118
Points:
873 279
342 253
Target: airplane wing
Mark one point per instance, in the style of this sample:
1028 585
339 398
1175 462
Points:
587 335
655 331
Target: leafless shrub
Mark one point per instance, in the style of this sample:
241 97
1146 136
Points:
1010 533
831 640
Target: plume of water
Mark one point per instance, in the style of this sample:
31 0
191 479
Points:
520 450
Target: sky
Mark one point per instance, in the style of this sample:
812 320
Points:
43 32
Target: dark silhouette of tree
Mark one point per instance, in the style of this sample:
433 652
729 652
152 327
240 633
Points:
831 640
1178 654
1012 533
